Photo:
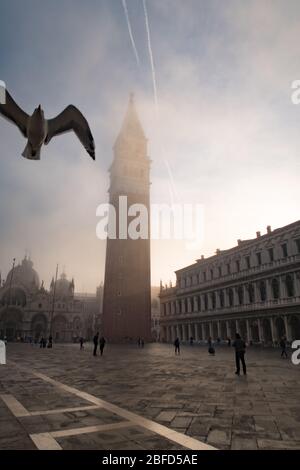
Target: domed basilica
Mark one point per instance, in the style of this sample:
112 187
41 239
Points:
29 310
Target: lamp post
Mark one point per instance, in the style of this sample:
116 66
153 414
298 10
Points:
53 301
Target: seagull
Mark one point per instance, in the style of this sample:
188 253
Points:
40 131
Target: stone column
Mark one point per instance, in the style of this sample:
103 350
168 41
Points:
203 331
177 306
178 335
197 331
288 332
210 329
297 283
228 329
249 335
260 331
269 289
273 330
196 307
190 330
173 329
282 288
219 328
237 326
235 297
256 292
209 301
246 295
182 306
218 303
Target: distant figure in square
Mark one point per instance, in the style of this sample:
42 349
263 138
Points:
228 342
211 349
283 347
102 344
191 341
81 341
50 342
95 340
177 346
142 342
139 342
240 350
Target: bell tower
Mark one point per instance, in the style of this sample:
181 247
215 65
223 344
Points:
127 285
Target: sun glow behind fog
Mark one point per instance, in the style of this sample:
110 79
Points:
224 132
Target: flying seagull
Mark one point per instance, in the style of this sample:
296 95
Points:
39 130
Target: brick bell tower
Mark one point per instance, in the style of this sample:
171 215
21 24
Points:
127 285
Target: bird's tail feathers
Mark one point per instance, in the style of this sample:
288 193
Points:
30 154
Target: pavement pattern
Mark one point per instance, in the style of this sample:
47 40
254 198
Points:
134 398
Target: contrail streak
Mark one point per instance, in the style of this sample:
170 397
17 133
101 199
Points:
151 55
172 186
130 32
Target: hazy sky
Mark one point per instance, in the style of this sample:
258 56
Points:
225 124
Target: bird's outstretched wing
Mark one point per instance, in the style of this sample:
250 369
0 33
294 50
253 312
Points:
11 111
71 119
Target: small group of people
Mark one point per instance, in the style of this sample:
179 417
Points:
240 350
101 342
43 342
141 343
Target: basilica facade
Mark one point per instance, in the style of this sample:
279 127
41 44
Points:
252 289
29 310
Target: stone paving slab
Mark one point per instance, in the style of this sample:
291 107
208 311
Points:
193 393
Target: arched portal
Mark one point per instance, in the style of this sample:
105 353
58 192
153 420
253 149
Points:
295 327
215 330
243 329
11 323
254 331
59 326
267 332
77 327
280 327
223 330
39 326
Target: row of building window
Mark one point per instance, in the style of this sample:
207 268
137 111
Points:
236 266
240 290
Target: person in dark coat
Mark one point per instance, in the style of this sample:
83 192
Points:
50 342
81 341
240 350
102 344
211 349
96 339
177 346
283 347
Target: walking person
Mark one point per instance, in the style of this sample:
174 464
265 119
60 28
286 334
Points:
102 344
283 347
142 342
240 350
177 346
211 349
50 342
95 340
81 341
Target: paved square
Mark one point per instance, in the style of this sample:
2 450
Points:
147 398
